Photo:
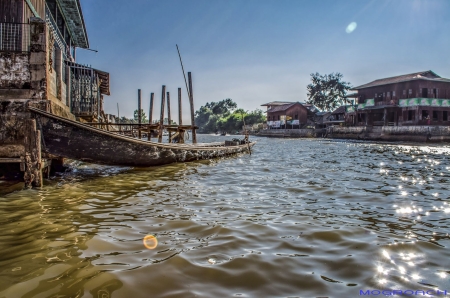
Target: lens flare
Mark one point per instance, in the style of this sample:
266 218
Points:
150 242
351 27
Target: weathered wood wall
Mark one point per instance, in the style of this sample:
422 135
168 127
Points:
11 11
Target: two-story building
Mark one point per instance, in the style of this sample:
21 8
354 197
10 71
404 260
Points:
38 44
421 98
288 114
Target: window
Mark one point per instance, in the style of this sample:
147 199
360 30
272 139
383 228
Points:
393 93
296 117
424 92
410 115
404 92
445 116
425 115
410 91
388 94
435 116
278 117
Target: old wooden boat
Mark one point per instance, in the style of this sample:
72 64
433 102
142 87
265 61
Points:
75 140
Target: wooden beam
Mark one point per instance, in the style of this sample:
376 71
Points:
11 160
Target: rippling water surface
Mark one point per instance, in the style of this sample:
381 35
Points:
304 218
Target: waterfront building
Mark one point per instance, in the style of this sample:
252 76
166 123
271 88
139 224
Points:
38 44
421 98
289 114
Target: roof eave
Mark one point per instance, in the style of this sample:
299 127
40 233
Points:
75 22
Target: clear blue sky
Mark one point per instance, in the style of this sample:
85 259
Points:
257 51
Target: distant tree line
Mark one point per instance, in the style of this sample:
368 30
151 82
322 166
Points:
144 119
224 116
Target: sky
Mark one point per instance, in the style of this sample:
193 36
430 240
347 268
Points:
257 51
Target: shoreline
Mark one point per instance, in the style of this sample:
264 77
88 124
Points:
421 134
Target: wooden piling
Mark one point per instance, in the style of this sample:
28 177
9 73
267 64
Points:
139 113
33 158
191 101
168 114
150 116
180 119
118 118
161 119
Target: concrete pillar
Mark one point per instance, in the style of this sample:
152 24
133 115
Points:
38 57
59 65
68 88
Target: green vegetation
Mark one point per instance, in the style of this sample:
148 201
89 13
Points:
225 116
327 92
143 116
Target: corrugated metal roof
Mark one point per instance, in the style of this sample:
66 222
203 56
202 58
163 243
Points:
75 22
423 75
352 95
277 103
340 110
282 107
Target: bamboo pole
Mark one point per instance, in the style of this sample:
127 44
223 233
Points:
150 116
139 112
182 69
161 119
191 101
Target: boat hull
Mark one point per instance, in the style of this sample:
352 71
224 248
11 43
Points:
74 140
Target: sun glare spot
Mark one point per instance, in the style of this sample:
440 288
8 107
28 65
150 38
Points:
150 242
351 27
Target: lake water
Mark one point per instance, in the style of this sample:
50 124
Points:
297 218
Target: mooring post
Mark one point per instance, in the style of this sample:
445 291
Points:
33 158
150 116
168 114
161 119
180 120
118 118
191 101
139 113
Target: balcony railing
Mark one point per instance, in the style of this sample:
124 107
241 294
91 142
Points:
84 93
391 102
14 37
59 38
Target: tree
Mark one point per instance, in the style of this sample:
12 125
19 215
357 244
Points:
225 116
327 92
143 116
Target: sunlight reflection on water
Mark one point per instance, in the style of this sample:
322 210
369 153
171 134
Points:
296 218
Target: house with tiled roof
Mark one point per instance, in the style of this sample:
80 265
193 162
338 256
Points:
421 98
